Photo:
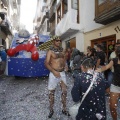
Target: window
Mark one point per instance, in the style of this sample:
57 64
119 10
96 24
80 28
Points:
65 6
101 1
107 42
74 4
59 14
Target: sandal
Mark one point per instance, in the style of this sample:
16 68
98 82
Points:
65 112
51 114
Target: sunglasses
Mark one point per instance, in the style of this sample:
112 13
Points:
58 40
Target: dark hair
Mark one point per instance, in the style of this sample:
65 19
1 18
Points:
99 46
87 62
118 41
78 52
118 52
117 44
89 48
93 52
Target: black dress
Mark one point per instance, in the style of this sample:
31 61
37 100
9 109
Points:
116 74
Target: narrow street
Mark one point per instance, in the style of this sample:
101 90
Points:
27 99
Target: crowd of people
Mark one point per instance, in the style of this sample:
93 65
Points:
3 58
83 66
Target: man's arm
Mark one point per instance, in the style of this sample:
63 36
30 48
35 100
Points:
47 61
104 68
98 63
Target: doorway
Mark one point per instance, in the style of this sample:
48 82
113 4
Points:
107 42
71 43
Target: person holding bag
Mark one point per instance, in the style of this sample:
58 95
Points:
88 93
115 86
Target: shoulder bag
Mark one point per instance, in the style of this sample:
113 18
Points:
73 111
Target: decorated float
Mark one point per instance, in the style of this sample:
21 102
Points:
25 58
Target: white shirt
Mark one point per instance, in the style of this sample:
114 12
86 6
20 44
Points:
112 55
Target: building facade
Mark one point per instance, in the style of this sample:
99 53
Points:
82 23
9 20
41 20
107 15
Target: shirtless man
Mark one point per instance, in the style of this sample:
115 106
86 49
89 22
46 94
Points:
55 62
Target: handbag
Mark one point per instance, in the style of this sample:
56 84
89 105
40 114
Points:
71 64
73 111
0 59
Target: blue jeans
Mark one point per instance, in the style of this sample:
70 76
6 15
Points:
110 77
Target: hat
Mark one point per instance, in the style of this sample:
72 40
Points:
1 45
55 38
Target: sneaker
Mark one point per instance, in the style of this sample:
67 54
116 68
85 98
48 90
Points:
65 112
51 114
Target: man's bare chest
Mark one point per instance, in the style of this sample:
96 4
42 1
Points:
57 55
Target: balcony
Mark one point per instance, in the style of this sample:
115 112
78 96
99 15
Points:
5 27
52 13
107 12
45 15
5 24
68 24
40 21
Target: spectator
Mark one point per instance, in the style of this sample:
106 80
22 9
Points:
101 56
92 54
94 102
115 86
89 51
68 57
112 55
76 62
3 56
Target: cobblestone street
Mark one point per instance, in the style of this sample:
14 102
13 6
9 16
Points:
27 99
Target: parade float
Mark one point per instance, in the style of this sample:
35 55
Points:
25 59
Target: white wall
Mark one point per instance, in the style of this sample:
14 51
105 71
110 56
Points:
87 15
104 31
79 41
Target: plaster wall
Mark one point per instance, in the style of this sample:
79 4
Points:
101 32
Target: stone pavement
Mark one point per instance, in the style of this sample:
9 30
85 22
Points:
27 99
